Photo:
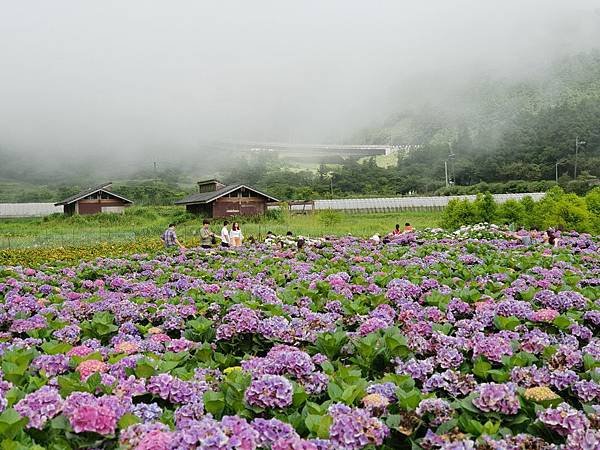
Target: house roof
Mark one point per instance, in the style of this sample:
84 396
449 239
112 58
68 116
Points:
207 197
101 187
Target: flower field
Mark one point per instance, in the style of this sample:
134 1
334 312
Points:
433 341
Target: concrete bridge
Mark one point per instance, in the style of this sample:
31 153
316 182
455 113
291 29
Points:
315 150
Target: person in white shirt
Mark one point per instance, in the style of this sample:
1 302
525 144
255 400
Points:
235 235
225 235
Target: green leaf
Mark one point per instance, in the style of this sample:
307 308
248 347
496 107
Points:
328 368
589 362
299 396
506 323
324 425
93 381
214 403
70 383
467 404
144 369
318 425
55 348
562 322
11 423
481 368
128 420
335 392
409 400
499 376
60 423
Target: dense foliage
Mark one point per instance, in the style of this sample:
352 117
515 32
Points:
556 210
434 341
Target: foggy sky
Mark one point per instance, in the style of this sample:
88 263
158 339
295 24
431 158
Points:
133 76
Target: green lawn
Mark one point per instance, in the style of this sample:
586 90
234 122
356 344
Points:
143 222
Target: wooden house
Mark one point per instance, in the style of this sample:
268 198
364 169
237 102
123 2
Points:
214 199
95 200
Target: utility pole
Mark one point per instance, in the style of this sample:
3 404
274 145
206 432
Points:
446 171
331 184
577 144
451 158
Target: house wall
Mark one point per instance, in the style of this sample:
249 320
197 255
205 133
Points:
98 205
239 206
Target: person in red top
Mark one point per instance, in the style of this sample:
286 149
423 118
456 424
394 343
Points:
408 228
396 230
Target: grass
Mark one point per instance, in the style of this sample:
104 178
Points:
149 222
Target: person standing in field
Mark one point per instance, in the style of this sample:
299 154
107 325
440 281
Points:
235 235
225 235
206 236
169 238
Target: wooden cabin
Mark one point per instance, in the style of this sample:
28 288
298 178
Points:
214 199
98 199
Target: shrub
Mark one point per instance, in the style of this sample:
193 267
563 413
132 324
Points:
592 200
485 208
512 211
330 217
560 210
458 213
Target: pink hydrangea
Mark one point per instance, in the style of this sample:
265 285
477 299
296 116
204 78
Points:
544 315
80 350
91 366
127 347
88 413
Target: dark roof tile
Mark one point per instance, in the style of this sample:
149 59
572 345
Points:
207 197
90 191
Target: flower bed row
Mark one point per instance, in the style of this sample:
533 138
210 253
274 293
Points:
432 341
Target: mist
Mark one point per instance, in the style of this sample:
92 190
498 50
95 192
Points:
149 79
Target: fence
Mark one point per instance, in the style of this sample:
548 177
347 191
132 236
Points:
394 204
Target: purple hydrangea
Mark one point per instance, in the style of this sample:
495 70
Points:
587 391
564 419
270 391
439 410
272 430
40 406
493 347
388 390
147 412
355 428
497 397
372 324
52 365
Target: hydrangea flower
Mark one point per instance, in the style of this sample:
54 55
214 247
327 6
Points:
88 413
269 391
497 397
354 428
40 406
439 410
564 419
